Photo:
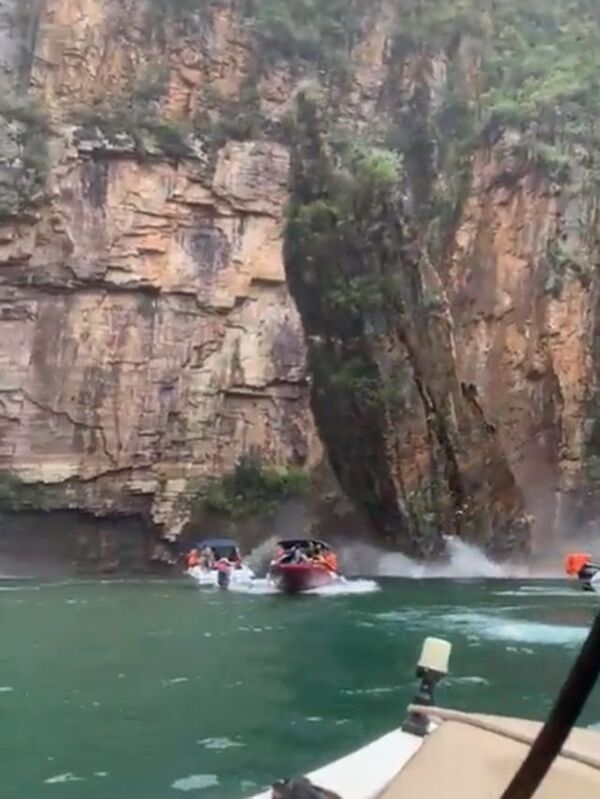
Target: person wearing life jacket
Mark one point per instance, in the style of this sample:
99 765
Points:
330 560
580 565
223 567
193 558
575 562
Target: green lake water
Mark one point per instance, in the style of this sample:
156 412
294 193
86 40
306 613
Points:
151 690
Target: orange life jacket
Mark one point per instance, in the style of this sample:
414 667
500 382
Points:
331 561
575 561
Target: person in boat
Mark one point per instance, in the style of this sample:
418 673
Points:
207 558
323 556
235 558
580 565
316 552
193 558
223 567
330 561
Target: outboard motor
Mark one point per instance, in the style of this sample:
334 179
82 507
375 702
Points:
223 573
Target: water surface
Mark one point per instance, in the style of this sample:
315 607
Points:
151 690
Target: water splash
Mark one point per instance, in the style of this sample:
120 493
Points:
260 557
464 561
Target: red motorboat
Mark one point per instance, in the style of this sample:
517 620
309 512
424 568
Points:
303 564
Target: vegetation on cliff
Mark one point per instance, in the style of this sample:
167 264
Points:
24 160
133 120
253 488
348 262
16 495
379 351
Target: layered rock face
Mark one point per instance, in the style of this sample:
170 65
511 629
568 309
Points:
148 336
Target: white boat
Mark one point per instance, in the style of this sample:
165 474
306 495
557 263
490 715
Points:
211 555
446 754
210 577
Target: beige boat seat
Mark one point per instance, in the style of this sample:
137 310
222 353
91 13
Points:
475 757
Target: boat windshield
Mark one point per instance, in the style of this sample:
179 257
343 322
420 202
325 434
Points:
221 548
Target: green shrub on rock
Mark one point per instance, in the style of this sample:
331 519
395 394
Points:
253 488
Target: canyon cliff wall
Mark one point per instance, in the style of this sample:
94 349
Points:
148 335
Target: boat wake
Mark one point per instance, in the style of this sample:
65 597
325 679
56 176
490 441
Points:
264 587
345 587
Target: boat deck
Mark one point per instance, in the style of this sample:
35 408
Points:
475 757
466 756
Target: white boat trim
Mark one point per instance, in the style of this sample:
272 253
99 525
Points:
209 577
365 773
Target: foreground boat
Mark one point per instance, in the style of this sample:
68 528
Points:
446 754
302 564
216 562
465 756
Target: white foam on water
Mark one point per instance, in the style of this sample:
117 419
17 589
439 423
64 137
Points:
541 591
344 587
522 632
264 587
219 744
6 689
19 587
174 681
196 782
258 587
466 681
383 689
101 774
62 778
476 626
595 726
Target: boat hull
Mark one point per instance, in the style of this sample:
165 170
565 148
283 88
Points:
295 578
210 577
